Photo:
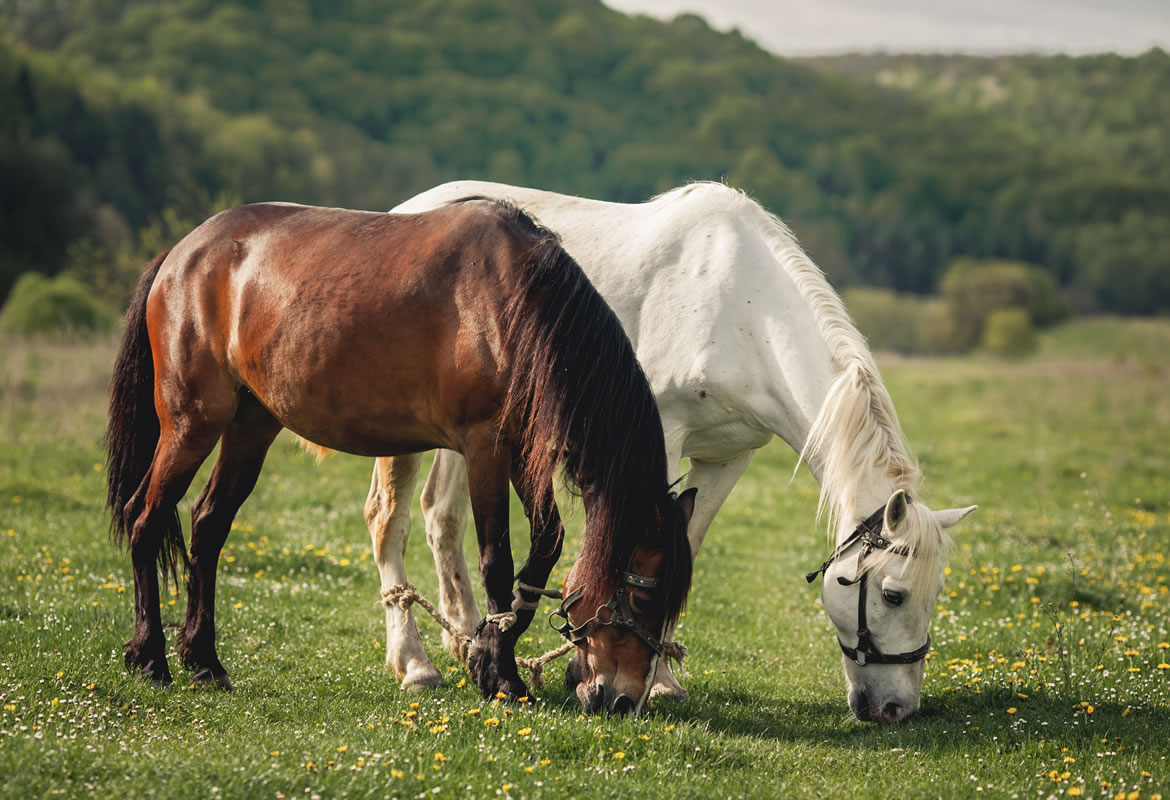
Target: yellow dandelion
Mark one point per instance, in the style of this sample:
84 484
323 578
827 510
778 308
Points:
544 762
397 773
1012 710
440 757
529 769
619 755
1073 791
473 712
524 731
343 748
492 721
1164 665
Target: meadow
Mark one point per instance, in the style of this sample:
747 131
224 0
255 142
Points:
1049 673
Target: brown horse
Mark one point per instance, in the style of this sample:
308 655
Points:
466 328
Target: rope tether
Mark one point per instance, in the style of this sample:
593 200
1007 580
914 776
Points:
404 595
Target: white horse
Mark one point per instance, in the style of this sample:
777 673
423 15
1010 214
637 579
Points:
742 339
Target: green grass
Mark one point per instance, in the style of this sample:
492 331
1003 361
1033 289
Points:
1055 607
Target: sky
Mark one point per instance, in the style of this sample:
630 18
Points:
815 27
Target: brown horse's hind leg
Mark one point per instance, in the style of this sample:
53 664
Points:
242 450
176 459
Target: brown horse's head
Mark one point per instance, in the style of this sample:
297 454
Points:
618 617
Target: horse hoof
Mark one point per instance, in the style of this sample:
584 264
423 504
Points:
205 677
422 680
675 693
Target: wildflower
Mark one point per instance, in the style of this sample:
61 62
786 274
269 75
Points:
492 721
343 748
397 773
619 755
440 757
1073 791
1012 710
544 762
524 731
669 728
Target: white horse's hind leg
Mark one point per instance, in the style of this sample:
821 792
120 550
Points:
447 506
388 517
714 480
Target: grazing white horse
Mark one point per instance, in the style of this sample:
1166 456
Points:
742 339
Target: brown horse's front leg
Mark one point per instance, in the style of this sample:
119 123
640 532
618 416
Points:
548 536
492 656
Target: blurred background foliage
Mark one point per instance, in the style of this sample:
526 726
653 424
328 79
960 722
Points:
1040 184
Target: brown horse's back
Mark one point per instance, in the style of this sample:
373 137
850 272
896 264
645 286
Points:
276 299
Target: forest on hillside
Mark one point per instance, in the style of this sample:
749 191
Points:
126 122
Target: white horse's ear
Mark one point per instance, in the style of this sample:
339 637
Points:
895 510
950 517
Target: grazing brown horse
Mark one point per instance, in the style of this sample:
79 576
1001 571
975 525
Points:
466 328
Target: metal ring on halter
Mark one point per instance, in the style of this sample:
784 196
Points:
620 614
869 534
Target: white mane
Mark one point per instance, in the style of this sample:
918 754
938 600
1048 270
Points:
856 437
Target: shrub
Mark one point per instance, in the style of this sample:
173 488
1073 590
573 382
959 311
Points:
38 304
903 323
1009 333
973 290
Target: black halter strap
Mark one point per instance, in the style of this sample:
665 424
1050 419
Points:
869 534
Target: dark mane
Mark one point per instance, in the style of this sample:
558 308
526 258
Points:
582 403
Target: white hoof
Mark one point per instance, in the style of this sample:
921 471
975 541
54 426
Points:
422 678
676 693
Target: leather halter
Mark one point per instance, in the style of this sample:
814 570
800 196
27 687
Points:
869 534
620 614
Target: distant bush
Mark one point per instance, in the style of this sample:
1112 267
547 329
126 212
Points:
903 323
38 304
973 290
1009 333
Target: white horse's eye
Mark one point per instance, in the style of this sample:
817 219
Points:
892 598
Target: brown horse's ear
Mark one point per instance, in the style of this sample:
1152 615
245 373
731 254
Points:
686 502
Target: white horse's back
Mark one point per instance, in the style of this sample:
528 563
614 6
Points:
731 349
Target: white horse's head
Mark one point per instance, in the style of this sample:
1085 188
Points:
880 589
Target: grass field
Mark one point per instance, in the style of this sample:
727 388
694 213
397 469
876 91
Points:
1049 674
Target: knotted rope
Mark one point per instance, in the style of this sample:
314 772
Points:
404 595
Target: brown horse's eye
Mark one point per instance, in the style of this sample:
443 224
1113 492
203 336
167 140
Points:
892 598
643 605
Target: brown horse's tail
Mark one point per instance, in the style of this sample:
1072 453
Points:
133 430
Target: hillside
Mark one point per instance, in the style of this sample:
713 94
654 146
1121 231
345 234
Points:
125 111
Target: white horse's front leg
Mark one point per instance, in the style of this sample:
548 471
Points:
714 480
388 517
446 508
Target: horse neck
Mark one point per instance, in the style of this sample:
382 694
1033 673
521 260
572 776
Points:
827 398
